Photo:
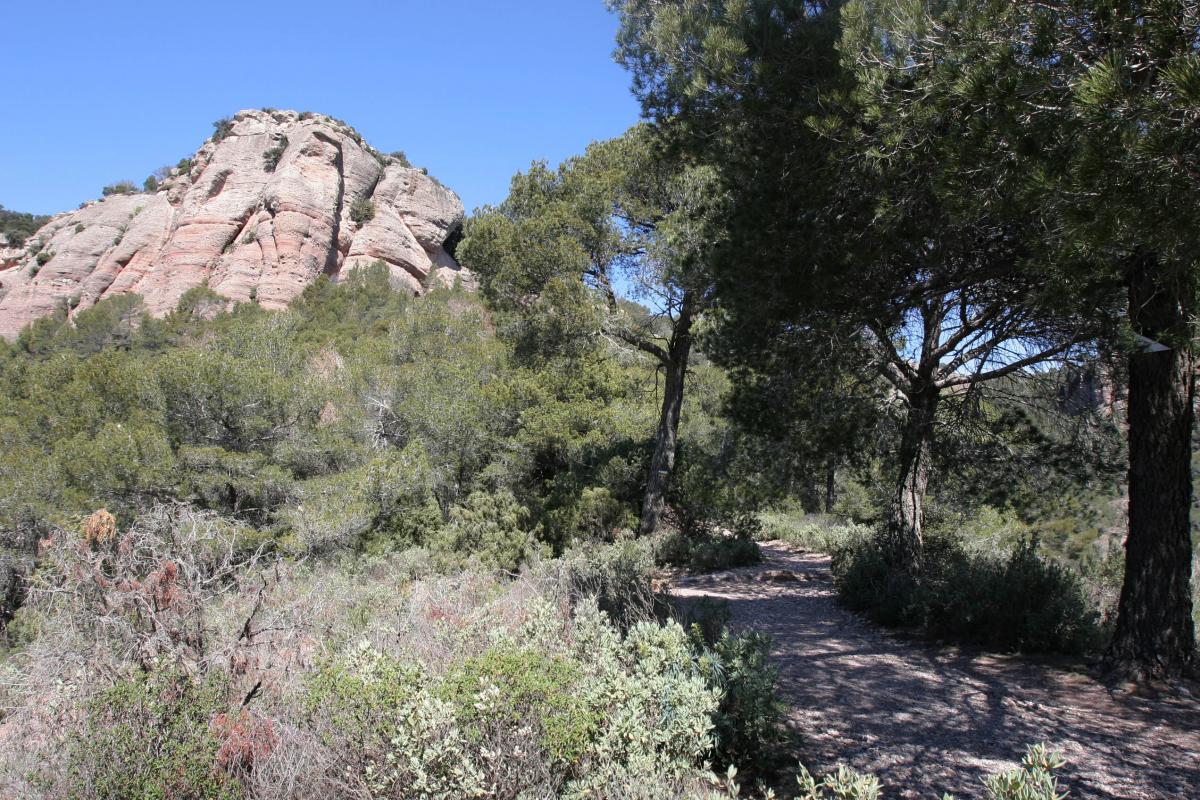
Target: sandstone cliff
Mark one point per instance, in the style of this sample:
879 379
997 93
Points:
273 200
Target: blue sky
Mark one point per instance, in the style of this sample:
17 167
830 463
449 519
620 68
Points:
473 90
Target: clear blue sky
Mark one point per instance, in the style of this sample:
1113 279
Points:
474 90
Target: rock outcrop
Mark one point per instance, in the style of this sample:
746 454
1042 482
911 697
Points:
273 200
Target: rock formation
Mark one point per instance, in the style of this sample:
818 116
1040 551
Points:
270 202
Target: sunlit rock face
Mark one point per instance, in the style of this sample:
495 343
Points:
265 207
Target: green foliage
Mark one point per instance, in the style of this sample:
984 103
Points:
44 257
150 185
394 736
362 211
492 528
222 128
272 155
513 688
706 552
1008 599
1033 780
240 485
749 727
120 187
149 738
121 466
398 157
17 226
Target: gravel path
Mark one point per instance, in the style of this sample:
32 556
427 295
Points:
929 719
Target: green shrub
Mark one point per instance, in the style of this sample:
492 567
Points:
617 576
79 228
17 226
1011 601
510 687
398 157
184 166
749 727
362 211
391 734
1033 780
707 552
813 532
150 737
491 528
44 257
222 128
150 185
271 156
120 187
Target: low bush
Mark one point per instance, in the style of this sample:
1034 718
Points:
490 529
617 576
509 689
272 155
121 187
151 736
222 128
362 211
1033 780
1014 600
813 532
749 729
390 735
707 552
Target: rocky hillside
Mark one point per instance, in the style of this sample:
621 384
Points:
271 201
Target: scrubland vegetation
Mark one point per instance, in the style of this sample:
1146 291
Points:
361 549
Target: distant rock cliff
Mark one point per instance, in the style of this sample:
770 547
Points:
273 200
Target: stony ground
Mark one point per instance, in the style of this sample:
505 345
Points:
929 719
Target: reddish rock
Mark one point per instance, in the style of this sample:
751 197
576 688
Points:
244 228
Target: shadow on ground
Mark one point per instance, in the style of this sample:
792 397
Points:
927 719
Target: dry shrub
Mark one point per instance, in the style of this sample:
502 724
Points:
99 527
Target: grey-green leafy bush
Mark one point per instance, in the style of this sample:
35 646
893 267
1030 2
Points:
1033 780
749 729
391 735
845 784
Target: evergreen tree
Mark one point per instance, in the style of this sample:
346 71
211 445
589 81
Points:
569 249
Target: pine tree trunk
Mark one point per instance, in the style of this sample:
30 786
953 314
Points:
830 486
908 502
1155 636
662 463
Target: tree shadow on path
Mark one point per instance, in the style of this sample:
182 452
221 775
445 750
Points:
928 719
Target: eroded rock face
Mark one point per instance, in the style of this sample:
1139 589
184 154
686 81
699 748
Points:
250 231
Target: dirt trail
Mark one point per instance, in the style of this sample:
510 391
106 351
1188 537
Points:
929 719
